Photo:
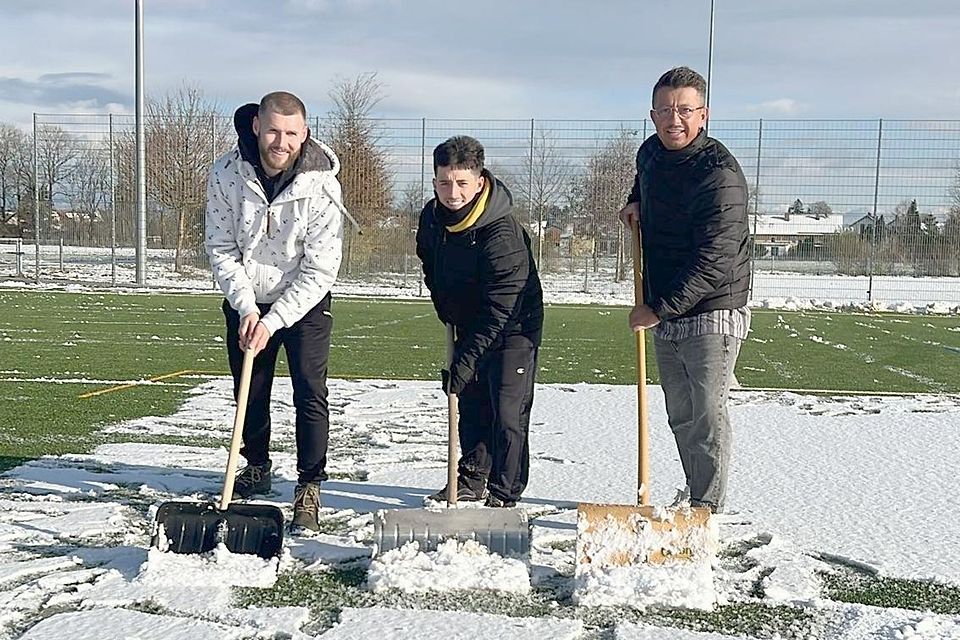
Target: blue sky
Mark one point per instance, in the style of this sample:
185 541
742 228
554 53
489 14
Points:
495 59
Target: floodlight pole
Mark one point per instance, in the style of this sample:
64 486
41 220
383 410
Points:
141 215
706 125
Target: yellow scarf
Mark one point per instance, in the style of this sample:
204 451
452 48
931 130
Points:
474 214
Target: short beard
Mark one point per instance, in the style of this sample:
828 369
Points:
265 163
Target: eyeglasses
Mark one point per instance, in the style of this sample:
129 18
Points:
685 112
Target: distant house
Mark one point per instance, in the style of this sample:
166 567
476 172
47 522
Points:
776 235
864 225
8 222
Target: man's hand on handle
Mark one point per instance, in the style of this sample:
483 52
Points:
643 317
630 214
253 334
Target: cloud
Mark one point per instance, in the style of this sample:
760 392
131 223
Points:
779 107
330 6
59 89
73 76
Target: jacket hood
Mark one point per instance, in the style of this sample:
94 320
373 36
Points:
314 155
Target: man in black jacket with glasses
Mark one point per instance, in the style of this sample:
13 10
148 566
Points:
690 198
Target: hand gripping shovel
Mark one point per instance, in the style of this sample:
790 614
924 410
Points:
503 531
612 535
196 527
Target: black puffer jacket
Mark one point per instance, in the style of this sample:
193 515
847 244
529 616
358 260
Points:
693 219
482 280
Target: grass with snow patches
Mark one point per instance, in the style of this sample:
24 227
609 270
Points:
848 584
55 346
327 593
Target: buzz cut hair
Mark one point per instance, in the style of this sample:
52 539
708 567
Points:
459 152
681 78
283 103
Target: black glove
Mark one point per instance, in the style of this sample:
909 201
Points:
445 381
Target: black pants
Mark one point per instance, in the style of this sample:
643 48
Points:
307 345
495 420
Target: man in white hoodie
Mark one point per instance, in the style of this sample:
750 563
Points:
274 229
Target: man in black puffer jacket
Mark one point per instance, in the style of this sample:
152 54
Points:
690 198
482 279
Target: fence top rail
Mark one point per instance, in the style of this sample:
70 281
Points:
632 118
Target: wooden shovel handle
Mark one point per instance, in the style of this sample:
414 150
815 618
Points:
643 435
243 393
453 435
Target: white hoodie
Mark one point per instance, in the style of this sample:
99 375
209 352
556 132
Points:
285 253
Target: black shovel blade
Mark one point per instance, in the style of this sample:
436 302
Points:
197 527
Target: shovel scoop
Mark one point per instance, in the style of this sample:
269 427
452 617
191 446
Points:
198 527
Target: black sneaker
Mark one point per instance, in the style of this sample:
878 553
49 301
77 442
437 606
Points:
252 479
497 503
306 506
464 494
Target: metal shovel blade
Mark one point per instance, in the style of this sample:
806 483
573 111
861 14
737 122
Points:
197 527
502 531
614 535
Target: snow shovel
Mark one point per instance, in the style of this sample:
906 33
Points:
502 531
197 527
612 535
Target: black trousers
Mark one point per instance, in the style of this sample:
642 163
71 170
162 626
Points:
307 345
495 420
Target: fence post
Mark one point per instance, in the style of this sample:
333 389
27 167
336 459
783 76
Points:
423 184
756 203
113 208
19 249
530 193
213 138
36 203
586 271
873 232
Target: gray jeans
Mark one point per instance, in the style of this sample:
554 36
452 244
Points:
695 374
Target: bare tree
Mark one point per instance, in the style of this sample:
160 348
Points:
951 235
56 150
88 190
602 191
182 142
355 137
410 204
542 182
124 192
14 150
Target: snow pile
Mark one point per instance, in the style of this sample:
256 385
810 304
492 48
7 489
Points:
184 583
454 565
872 623
643 559
932 627
218 566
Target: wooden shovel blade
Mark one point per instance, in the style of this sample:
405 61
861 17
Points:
615 535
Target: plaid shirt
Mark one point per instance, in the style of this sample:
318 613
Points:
729 322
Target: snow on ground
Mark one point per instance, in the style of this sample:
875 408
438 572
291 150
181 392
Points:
816 483
86 267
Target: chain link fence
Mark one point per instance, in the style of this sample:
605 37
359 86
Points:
860 209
